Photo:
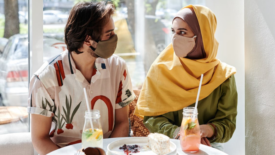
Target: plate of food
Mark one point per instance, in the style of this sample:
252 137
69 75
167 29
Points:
154 144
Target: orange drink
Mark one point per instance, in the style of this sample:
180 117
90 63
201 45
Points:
190 131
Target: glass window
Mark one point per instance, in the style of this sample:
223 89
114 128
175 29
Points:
155 22
157 18
13 66
7 49
21 50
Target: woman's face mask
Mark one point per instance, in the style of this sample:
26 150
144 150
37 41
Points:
106 49
183 45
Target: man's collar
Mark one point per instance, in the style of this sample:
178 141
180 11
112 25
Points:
102 70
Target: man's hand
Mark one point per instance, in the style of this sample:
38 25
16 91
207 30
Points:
40 128
121 128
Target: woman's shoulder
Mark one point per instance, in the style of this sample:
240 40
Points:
230 80
229 70
229 84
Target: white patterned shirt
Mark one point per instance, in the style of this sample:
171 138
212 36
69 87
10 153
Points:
56 89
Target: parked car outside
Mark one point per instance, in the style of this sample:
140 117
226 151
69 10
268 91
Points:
54 17
23 17
160 13
3 42
166 13
14 68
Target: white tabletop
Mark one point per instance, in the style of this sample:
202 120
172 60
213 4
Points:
72 149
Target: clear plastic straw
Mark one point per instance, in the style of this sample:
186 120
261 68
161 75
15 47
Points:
88 108
197 100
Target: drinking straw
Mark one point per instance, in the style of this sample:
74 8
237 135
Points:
85 93
197 100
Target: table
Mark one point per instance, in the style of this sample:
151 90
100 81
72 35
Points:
72 149
12 114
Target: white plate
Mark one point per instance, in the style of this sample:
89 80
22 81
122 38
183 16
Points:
113 148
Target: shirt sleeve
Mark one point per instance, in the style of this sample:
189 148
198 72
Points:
225 118
125 93
164 124
39 100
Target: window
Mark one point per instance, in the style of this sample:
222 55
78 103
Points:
143 28
155 30
7 49
13 66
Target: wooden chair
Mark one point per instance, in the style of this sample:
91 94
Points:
137 126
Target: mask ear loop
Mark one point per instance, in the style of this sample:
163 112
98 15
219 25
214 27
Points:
92 48
94 45
194 36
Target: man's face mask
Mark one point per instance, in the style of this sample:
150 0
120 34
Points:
183 45
106 48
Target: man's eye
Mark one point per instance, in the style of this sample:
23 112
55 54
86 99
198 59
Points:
109 34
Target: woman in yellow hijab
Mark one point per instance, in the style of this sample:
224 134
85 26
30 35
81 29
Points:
173 80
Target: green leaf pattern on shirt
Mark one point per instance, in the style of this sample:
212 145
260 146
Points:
68 116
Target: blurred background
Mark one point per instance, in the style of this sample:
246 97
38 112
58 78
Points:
245 33
153 20
144 30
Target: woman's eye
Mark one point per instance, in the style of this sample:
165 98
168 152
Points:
182 32
172 31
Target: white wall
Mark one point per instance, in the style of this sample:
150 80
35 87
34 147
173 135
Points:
260 76
230 35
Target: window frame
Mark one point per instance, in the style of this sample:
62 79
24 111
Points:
35 39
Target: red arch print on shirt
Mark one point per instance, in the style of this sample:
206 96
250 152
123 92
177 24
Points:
109 106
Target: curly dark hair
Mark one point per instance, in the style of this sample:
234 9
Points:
86 19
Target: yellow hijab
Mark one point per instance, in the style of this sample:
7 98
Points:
172 82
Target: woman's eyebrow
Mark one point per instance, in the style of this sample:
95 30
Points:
182 29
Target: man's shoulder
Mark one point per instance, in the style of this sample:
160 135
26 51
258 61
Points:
116 60
48 66
47 72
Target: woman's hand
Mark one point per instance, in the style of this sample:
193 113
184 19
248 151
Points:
206 131
205 141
